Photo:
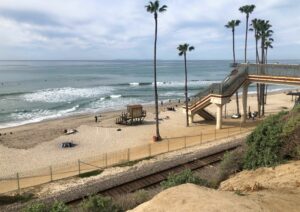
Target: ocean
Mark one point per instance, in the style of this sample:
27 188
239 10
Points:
32 91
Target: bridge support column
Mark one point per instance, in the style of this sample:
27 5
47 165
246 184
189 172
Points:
219 116
191 118
244 109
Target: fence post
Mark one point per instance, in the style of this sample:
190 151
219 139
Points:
128 154
51 175
240 127
78 167
215 134
18 182
185 142
149 150
201 138
168 145
228 133
106 160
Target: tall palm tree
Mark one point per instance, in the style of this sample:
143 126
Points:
268 45
254 27
154 8
231 25
183 49
264 32
247 9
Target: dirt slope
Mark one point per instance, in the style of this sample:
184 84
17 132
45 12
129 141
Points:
265 189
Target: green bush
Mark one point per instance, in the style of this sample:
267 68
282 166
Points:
184 177
36 207
59 206
264 143
90 174
99 203
5 199
232 162
131 200
293 122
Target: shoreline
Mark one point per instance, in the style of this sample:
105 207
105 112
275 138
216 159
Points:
83 115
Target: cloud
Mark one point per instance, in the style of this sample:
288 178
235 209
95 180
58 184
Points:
118 29
29 16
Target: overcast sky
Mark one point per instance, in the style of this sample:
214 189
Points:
122 29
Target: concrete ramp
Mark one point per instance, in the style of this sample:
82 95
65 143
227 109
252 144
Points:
206 115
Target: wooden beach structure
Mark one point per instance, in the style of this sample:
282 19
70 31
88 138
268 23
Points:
241 76
134 115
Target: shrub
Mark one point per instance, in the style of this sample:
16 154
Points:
293 122
90 174
132 200
5 200
36 207
184 177
59 206
264 143
100 203
232 162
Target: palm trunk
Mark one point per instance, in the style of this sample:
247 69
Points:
246 38
155 82
233 46
236 94
186 93
262 89
257 84
266 90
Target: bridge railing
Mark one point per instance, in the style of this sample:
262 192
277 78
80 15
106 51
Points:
272 69
232 82
235 79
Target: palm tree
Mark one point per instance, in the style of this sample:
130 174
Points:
231 25
247 9
264 32
254 27
268 44
183 48
154 7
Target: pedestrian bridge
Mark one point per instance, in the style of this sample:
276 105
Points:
240 77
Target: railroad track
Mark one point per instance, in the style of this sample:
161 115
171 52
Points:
154 180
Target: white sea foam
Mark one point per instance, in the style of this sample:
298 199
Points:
181 83
134 84
34 116
171 93
115 96
67 94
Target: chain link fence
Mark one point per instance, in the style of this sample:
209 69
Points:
70 169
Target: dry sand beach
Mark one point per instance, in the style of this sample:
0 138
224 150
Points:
39 145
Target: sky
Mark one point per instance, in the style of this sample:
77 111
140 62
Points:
123 29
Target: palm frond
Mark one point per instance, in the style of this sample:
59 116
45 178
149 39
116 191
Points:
156 5
163 8
191 48
180 53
